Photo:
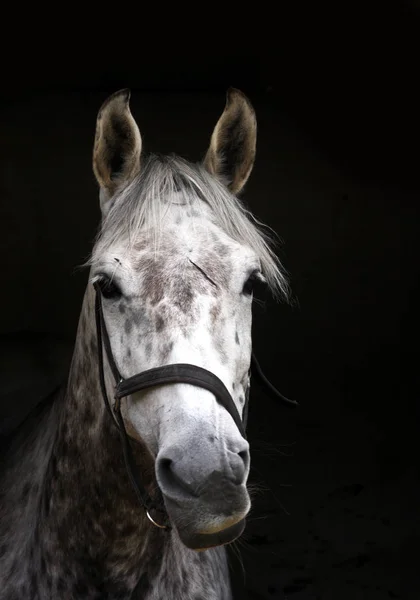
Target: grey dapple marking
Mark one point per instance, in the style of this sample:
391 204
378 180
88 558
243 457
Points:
175 256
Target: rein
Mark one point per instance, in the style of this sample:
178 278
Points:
167 374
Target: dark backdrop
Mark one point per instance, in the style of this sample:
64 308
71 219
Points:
336 95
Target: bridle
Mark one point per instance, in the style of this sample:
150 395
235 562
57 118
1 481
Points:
167 374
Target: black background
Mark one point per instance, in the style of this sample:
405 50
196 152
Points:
335 89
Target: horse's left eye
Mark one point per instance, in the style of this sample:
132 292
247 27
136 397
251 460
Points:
254 280
109 289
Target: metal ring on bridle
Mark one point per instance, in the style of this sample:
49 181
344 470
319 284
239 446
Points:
154 522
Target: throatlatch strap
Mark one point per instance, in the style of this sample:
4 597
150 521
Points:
99 326
263 381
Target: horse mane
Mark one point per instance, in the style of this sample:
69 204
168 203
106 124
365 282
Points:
142 203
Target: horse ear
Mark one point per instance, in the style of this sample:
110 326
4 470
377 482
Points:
117 148
231 153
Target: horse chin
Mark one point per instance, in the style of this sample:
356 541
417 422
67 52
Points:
204 529
204 541
214 517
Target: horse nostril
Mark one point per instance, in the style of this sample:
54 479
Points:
165 464
168 477
165 471
244 455
239 463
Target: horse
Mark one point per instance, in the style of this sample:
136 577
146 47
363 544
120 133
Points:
165 331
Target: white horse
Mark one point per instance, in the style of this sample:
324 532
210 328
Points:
171 283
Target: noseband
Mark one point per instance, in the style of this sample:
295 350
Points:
167 374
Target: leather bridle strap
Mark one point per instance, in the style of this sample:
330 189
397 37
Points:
264 382
167 374
130 463
182 373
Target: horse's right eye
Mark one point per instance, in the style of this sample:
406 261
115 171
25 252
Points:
108 288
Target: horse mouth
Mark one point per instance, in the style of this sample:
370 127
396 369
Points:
204 541
215 518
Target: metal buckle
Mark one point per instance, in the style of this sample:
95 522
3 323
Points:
154 522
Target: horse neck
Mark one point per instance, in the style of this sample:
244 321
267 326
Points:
88 458
79 513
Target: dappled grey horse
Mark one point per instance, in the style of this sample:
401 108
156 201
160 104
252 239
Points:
154 405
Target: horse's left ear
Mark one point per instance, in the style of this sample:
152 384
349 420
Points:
117 148
232 147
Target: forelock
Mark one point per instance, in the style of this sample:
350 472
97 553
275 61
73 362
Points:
164 179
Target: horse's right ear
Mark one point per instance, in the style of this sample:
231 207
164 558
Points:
117 148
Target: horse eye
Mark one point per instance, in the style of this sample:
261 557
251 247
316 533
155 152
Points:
254 280
109 289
